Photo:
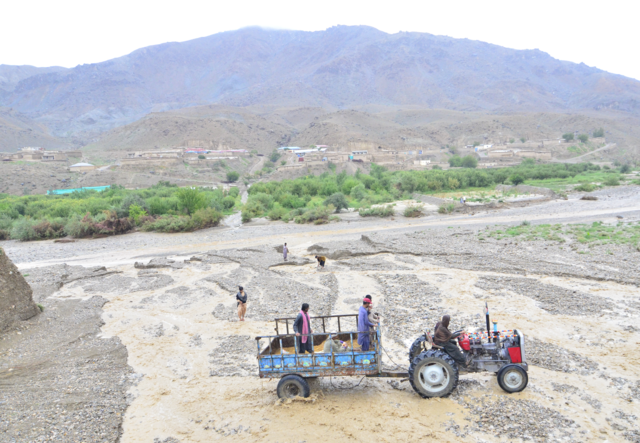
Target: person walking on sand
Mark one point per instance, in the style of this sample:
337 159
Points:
302 328
285 251
321 261
241 296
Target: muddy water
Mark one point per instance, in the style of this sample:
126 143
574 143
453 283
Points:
179 349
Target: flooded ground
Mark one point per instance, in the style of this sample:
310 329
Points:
193 367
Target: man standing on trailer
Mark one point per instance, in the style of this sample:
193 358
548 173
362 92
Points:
302 328
364 335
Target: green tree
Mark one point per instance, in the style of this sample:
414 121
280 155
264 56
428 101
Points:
568 136
338 200
469 161
512 140
190 199
283 162
232 176
201 157
476 144
455 161
523 139
516 179
583 138
625 169
598 133
274 156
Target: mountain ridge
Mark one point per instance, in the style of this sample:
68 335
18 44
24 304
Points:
341 67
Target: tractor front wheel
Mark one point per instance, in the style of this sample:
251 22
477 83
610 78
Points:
417 347
512 378
433 373
291 386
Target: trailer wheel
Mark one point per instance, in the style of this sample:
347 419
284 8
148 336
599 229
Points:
433 373
417 347
291 386
512 378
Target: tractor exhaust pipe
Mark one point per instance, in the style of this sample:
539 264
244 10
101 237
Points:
486 313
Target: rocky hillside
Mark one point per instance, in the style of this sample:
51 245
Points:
341 67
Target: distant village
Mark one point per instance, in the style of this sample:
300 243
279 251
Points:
292 157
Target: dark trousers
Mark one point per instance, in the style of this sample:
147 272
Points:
304 347
454 352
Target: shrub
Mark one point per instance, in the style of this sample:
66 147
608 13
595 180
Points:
598 133
4 235
246 216
414 211
523 139
625 169
232 176
612 181
277 213
201 157
80 227
525 223
136 213
321 213
228 203
205 218
567 136
131 199
583 138
377 211
338 200
169 223
190 199
516 179
585 187
27 230
274 156
446 208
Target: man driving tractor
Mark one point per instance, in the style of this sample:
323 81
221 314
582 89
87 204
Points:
446 340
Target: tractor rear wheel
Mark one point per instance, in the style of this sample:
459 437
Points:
417 347
512 378
433 373
291 386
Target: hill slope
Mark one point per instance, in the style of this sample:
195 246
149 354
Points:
341 67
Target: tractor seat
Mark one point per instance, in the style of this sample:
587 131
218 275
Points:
433 345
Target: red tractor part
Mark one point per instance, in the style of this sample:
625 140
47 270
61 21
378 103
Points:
465 344
515 355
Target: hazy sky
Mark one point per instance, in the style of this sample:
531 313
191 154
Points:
70 32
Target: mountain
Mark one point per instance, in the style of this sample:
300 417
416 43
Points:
341 67
17 131
11 75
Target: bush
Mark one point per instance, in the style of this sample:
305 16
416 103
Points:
246 216
228 203
567 136
23 230
80 227
232 176
4 235
585 187
598 133
205 218
136 213
378 211
625 169
278 213
446 208
317 215
338 200
190 199
583 138
169 223
201 157
612 181
132 199
414 211
469 161
274 156
523 139
516 179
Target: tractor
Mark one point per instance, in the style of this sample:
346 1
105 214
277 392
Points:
433 373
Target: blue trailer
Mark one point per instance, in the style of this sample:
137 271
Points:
278 355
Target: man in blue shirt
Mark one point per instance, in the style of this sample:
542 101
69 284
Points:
364 336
